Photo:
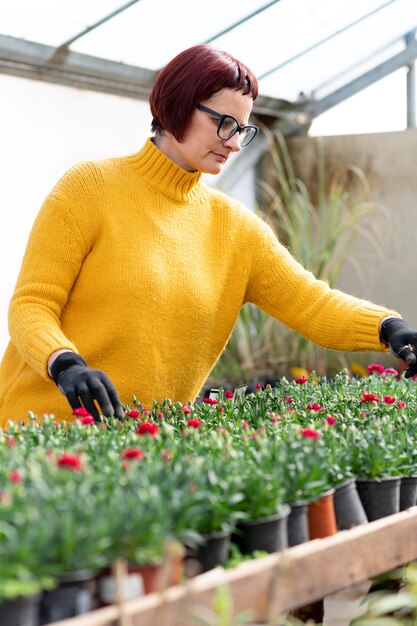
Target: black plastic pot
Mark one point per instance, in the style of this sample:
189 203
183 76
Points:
408 492
267 534
23 611
211 553
380 497
73 596
297 523
348 506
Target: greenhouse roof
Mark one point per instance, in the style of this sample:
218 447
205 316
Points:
309 55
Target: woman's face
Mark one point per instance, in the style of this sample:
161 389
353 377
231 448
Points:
201 148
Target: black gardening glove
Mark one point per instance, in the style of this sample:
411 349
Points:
402 341
82 385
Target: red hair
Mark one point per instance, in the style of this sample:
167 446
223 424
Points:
192 76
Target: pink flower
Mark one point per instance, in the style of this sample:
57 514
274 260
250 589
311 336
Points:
391 370
245 425
148 428
15 477
375 367
186 409
166 455
81 412
369 397
194 423
69 460
274 418
400 404
314 407
330 420
300 380
310 433
11 442
88 419
135 415
133 453
160 415
228 395
389 400
146 413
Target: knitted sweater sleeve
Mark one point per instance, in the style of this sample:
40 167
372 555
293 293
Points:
59 241
283 288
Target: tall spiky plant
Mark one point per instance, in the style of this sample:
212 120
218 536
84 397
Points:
320 235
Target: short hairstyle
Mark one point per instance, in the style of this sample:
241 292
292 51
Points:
192 76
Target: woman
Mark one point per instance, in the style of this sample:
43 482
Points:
136 268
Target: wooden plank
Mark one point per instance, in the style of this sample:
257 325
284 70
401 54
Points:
281 581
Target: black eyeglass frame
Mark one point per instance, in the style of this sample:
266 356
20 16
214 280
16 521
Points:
221 117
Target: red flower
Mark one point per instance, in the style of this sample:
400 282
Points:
389 400
330 420
288 399
391 370
400 404
15 477
133 453
375 367
310 433
147 428
228 395
69 460
300 380
160 415
369 397
259 386
81 412
88 419
186 409
194 423
135 415
274 418
314 407
210 401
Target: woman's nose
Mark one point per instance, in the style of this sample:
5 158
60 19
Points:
233 143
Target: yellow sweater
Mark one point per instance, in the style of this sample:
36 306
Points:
141 268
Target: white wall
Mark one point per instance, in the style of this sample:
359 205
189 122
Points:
44 129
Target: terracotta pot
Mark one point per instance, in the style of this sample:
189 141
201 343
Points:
321 516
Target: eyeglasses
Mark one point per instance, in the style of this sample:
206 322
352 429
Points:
228 126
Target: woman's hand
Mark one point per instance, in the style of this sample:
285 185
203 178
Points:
83 386
402 341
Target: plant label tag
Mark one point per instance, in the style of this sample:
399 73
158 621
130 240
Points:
240 391
132 588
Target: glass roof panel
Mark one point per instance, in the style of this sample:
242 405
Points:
151 32
308 43
51 21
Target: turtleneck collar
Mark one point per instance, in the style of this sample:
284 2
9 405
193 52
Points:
163 174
